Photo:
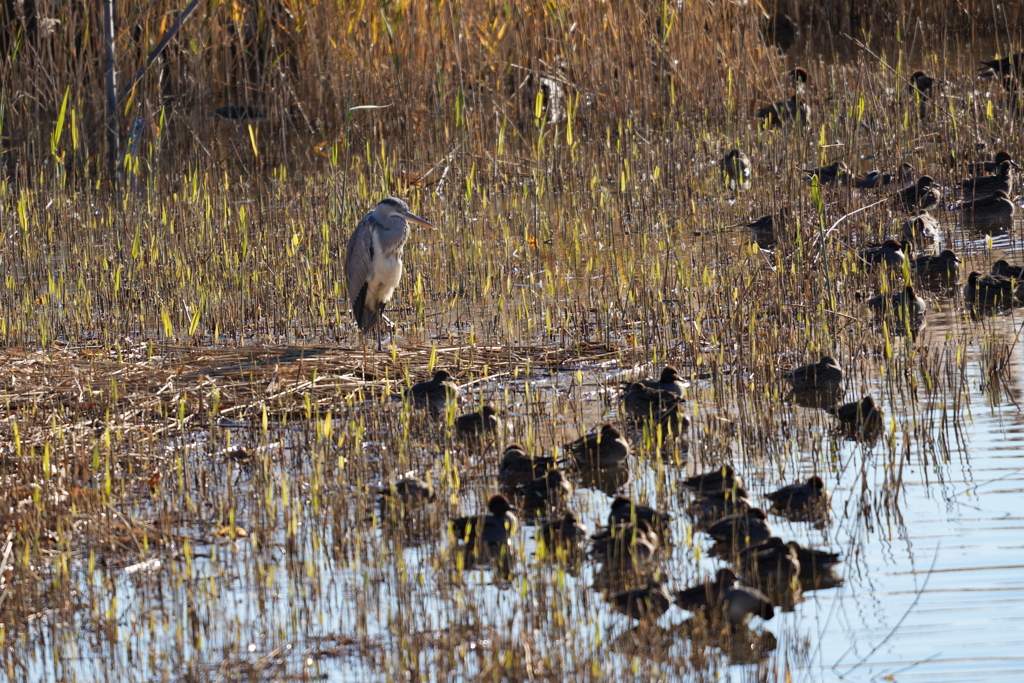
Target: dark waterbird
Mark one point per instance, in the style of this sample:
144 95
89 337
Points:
814 561
871 180
944 267
743 528
921 229
995 207
800 497
567 530
642 604
721 479
920 88
857 415
623 510
647 403
923 195
552 488
992 290
603 448
981 168
436 393
480 423
771 561
494 528
764 228
906 305
792 110
827 175
815 566
726 596
1009 65
373 261
706 594
517 467
609 480
740 604
825 374
709 507
921 83
889 253
987 185
408 490
669 381
1004 269
629 542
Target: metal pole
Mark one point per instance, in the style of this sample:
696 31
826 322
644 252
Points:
111 88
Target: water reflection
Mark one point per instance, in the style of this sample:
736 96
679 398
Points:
501 559
610 480
991 228
820 580
817 398
739 644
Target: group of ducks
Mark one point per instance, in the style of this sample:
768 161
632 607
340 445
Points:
984 198
765 570
984 201
985 195
760 562
631 542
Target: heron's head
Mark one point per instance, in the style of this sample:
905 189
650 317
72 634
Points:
394 209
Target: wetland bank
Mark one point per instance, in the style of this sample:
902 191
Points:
195 438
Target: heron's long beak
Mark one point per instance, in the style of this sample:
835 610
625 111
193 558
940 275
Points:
410 216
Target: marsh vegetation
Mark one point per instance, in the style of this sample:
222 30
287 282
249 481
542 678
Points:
202 463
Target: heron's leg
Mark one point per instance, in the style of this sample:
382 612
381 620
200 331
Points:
363 336
383 320
389 325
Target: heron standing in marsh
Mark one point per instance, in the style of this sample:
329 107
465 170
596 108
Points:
373 261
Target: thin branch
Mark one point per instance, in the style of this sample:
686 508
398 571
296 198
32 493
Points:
169 34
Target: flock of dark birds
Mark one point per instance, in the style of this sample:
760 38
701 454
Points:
764 570
983 201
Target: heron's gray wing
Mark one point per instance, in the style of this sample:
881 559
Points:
358 259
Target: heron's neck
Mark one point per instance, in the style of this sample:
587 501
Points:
392 240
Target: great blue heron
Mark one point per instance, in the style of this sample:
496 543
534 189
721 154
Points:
373 261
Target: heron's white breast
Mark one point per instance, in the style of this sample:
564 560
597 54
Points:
385 272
